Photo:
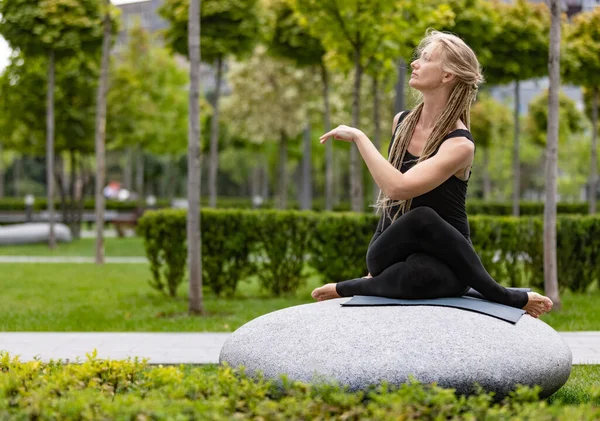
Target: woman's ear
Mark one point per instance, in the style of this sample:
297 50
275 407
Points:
448 77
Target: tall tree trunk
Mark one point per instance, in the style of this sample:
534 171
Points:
128 170
100 137
139 176
73 192
377 134
550 269
265 176
328 145
1 172
213 165
50 149
594 152
196 305
516 160
17 170
283 179
306 202
487 181
399 101
356 180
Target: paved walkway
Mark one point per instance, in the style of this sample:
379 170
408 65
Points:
183 348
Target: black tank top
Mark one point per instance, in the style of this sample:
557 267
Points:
448 199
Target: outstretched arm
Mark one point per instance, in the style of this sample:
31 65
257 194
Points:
454 154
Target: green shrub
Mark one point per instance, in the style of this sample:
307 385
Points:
283 244
335 245
131 390
228 238
164 235
339 245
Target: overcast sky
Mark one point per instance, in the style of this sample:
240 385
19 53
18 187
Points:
5 49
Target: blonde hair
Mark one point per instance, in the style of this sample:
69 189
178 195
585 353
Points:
459 59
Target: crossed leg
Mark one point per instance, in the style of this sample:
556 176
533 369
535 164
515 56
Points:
419 232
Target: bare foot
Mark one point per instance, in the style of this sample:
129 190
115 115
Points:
537 304
326 292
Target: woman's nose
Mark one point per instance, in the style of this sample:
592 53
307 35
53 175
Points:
413 64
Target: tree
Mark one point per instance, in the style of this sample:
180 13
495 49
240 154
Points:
550 269
74 102
147 108
571 120
196 303
270 101
101 134
54 29
490 122
353 32
519 52
229 27
290 40
581 66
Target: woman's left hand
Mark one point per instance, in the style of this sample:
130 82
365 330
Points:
347 133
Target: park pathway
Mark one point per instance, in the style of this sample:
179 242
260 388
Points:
182 348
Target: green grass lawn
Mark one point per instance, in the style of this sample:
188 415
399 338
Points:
578 388
116 297
113 247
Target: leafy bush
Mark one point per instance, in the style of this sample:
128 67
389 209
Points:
335 245
164 235
131 390
283 244
339 245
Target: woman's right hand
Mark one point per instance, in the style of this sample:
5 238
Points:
368 276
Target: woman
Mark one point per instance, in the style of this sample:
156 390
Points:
421 248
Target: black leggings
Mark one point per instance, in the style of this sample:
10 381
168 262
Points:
420 255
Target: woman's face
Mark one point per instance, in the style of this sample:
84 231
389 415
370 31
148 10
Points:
427 71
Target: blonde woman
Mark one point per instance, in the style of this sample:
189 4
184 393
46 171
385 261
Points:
422 248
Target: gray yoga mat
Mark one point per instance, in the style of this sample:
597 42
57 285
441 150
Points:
466 302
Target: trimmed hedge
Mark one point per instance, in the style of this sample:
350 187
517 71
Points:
40 204
474 206
130 390
277 245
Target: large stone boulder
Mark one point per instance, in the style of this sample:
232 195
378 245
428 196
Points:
34 232
362 346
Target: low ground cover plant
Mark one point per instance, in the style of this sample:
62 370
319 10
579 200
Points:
106 390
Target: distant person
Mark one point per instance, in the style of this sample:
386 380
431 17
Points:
422 246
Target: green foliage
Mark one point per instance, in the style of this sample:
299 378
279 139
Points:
511 249
581 62
475 21
354 30
270 97
227 241
335 246
36 27
571 119
147 100
520 49
283 241
23 102
289 39
226 27
107 389
165 247
490 120
339 245
17 204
